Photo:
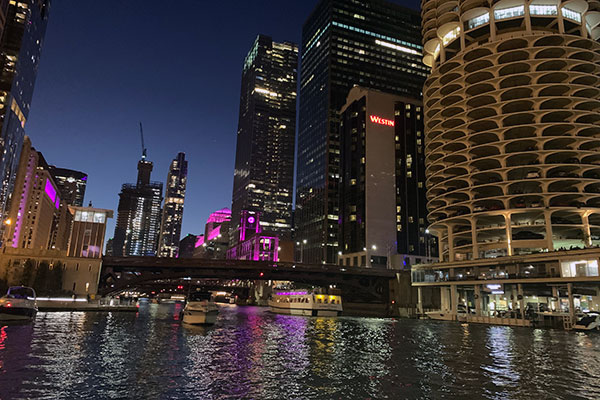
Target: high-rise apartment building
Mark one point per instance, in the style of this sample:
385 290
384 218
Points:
172 214
511 123
71 184
139 212
383 214
370 43
264 164
24 25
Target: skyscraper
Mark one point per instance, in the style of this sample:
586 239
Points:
513 182
71 184
264 163
138 220
172 215
371 43
383 214
20 48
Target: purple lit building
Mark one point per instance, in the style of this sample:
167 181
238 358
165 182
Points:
38 218
215 241
251 243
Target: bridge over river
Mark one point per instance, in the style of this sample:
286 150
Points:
370 285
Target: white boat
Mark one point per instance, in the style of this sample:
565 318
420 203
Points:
19 304
589 322
440 315
200 309
305 303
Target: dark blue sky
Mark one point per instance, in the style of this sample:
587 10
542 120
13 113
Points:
175 66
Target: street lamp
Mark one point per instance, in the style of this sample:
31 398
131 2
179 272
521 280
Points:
301 244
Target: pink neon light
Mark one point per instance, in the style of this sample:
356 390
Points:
381 121
50 191
214 233
199 241
220 216
291 293
251 220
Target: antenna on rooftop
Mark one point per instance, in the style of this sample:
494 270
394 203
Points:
143 147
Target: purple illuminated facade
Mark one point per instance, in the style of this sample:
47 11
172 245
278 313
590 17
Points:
215 240
38 217
252 244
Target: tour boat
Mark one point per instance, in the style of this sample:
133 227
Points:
305 303
200 309
19 304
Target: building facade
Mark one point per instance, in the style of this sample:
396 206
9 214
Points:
252 244
371 43
20 48
138 218
383 215
511 119
38 217
86 239
172 214
264 163
71 185
215 240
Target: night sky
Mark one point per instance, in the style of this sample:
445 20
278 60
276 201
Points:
175 66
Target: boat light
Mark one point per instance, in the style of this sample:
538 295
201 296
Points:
8 305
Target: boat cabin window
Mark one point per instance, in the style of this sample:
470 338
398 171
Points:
20 293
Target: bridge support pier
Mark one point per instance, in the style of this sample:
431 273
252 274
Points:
261 292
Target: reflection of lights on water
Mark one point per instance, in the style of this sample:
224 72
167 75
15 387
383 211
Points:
3 336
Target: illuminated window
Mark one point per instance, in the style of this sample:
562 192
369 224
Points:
570 14
477 21
450 36
542 9
509 12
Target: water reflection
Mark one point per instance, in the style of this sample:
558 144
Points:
251 353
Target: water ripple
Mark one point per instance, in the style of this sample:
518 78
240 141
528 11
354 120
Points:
253 354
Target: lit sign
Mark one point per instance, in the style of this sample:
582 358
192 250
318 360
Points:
381 121
251 220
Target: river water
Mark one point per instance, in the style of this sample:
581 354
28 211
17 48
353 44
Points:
253 354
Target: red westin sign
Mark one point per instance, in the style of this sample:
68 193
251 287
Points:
381 121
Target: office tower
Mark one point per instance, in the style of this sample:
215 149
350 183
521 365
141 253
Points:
511 124
172 214
371 43
383 215
88 229
138 218
20 46
264 163
37 218
71 184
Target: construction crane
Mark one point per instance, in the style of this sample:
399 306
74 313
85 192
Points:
143 147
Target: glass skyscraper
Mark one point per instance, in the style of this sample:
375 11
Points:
71 184
138 220
172 215
264 163
370 43
20 46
